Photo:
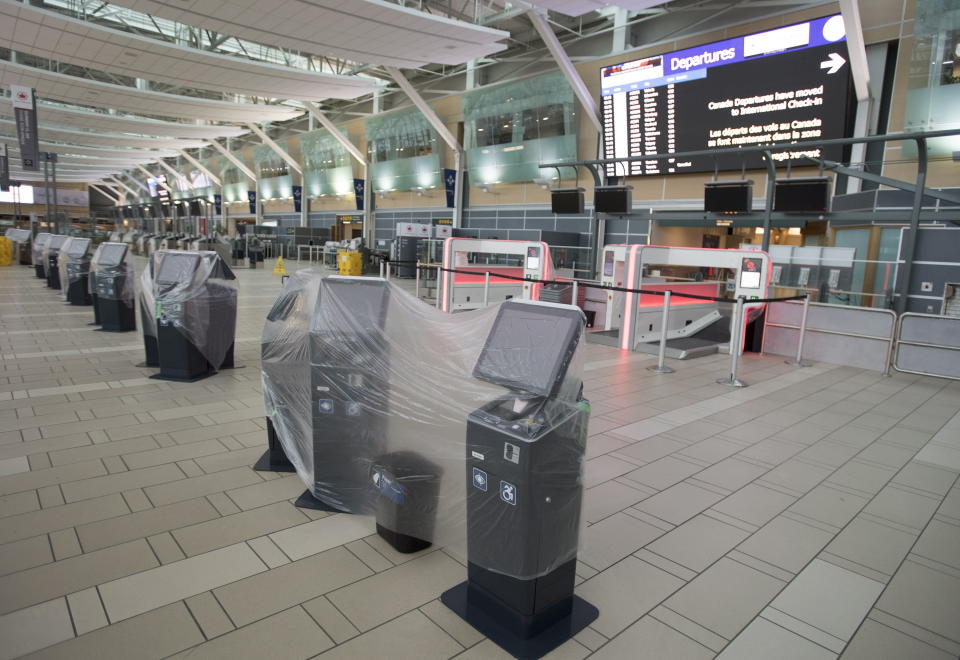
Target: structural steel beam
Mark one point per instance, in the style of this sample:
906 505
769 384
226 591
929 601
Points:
887 181
856 49
196 163
153 176
267 140
140 185
566 66
229 156
122 185
105 193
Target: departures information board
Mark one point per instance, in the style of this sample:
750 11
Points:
791 84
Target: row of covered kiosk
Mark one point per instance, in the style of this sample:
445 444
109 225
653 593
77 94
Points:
466 430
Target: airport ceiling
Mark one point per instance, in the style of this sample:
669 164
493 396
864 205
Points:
133 81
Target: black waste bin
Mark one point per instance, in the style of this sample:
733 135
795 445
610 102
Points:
408 492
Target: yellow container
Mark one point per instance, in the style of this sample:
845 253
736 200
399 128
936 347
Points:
6 252
349 262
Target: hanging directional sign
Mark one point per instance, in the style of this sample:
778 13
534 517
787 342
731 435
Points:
25 113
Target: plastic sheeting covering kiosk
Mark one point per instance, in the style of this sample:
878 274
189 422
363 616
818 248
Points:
39 245
112 284
23 239
50 259
389 407
188 303
74 270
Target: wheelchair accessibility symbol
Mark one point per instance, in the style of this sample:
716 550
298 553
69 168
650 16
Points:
508 493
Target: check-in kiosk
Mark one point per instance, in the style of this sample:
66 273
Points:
52 260
525 452
409 235
696 327
38 251
75 270
196 309
285 372
148 313
113 288
349 365
509 264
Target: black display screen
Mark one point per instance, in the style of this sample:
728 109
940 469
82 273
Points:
78 247
791 84
354 305
112 254
529 347
177 267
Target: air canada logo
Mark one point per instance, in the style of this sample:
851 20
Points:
23 96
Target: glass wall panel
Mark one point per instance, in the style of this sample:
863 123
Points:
327 165
403 151
510 129
274 173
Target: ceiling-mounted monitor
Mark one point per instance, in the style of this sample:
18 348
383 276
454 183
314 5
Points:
789 84
802 195
613 199
728 196
566 200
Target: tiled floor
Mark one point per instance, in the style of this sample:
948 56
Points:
813 514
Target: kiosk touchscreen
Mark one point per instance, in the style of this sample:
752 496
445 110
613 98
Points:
196 315
39 247
113 289
525 451
52 264
350 389
77 269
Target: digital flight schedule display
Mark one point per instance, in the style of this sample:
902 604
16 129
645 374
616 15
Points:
791 84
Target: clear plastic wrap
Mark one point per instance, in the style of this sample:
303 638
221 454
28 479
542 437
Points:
147 298
39 245
389 407
111 262
196 293
62 267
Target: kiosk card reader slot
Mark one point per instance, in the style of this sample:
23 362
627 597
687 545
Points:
525 451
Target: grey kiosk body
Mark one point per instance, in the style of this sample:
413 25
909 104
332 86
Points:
113 311
524 456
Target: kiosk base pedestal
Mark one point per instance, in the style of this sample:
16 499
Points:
581 615
308 501
274 459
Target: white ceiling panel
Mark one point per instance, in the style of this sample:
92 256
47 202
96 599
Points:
371 31
86 162
71 89
63 149
54 36
9 127
49 113
580 7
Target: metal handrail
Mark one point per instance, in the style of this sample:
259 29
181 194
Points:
899 341
805 327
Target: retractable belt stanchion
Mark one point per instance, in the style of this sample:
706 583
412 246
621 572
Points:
486 288
798 362
417 276
736 334
661 368
439 287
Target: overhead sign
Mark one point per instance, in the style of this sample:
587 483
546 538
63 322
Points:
790 84
25 114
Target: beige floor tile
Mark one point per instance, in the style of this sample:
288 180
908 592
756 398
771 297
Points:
649 639
199 486
86 610
410 637
925 597
23 554
172 454
725 597
60 517
147 590
15 483
289 634
613 538
209 615
11 505
875 641
116 483
678 503
220 532
754 504
65 544
786 543
228 460
268 593
420 581
165 548
90 452
42 583
329 532
105 533
763 640
465 634
872 544
698 542
151 636
608 498
625 592
662 473
34 628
